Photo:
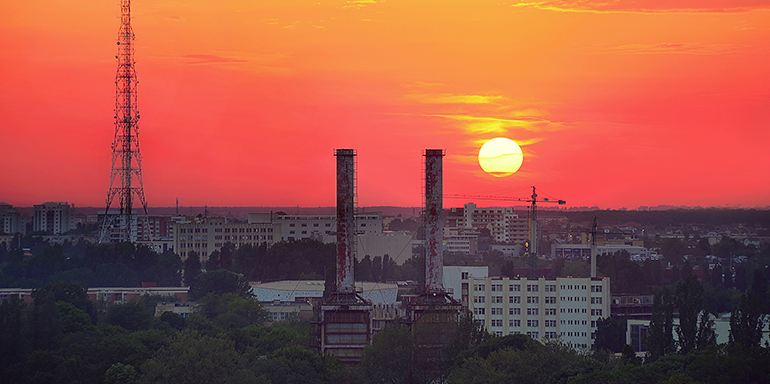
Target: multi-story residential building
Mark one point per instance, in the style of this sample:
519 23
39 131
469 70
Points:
560 308
583 251
54 218
318 227
11 221
209 234
503 224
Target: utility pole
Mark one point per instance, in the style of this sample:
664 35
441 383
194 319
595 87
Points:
126 175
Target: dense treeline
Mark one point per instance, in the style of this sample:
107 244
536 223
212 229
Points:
118 265
63 338
711 217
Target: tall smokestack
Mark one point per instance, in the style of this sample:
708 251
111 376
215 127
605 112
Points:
434 209
345 220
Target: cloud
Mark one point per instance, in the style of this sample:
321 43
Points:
359 3
483 124
206 59
695 49
646 6
447 98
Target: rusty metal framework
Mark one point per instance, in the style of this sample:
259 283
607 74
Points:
126 175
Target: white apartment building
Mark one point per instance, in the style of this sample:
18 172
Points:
54 217
504 225
318 227
563 308
209 234
11 221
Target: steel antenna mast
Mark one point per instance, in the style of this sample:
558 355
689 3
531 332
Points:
126 175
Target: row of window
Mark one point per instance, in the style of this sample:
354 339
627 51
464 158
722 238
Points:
530 287
226 230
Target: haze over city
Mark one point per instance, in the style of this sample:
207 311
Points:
242 103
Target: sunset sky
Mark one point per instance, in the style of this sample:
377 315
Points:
614 103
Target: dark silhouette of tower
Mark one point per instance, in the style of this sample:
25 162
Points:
126 175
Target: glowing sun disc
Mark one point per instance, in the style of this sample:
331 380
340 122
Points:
500 157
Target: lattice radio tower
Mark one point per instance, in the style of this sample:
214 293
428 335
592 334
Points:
126 175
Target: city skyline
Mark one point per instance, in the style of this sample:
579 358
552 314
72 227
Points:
242 103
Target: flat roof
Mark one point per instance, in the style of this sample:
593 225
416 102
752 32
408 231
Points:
317 285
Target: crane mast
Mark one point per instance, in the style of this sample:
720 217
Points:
532 217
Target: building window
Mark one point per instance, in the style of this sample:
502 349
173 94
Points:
478 311
515 288
550 323
497 311
514 299
514 323
532 323
550 288
514 311
550 311
532 299
478 299
532 288
464 275
480 287
532 311
550 300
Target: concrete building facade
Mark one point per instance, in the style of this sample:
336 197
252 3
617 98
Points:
564 308
209 234
11 222
54 217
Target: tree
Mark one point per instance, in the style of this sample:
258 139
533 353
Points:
747 321
390 358
660 340
610 334
219 282
228 312
689 299
673 249
192 267
120 374
706 336
131 315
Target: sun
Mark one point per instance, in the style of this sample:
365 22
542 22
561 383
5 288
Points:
500 157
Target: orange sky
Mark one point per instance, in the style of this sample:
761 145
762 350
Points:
615 104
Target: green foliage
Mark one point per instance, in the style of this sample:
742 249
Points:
660 340
747 321
131 315
705 336
519 359
227 312
689 296
192 267
120 374
610 334
195 358
390 358
219 282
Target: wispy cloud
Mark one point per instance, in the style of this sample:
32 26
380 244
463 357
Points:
498 125
359 3
206 59
447 98
646 6
695 49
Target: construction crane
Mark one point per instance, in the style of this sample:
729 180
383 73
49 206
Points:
533 200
